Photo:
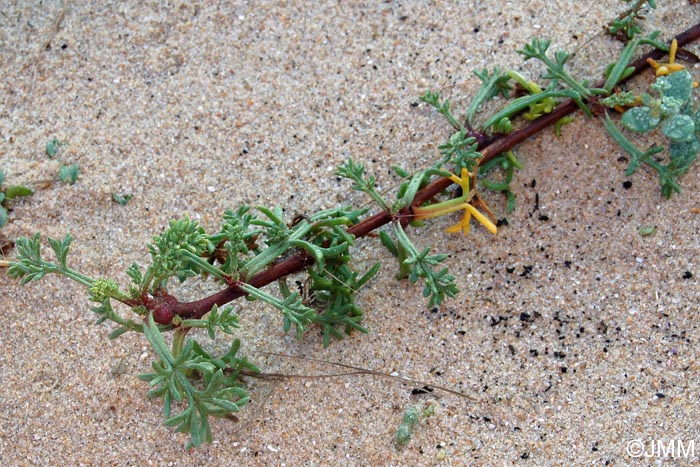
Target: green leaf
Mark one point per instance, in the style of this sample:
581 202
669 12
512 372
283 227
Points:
121 200
3 216
461 151
492 85
366 277
134 272
69 173
683 154
28 266
433 98
438 285
535 49
399 171
314 250
14 191
150 329
117 332
356 172
501 118
679 85
388 243
52 147
60 248
640 119
679 128
620 69
292 308
412 188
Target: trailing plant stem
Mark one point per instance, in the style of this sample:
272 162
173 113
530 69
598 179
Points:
302 259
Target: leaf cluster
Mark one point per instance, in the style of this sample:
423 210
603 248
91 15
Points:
675 113
366 184
168 252
438 283
628 23
224 320
30 266
333 283
207 386
246 243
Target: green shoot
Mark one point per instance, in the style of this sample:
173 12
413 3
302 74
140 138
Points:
438 284
29 265
175 379
355 172
443 108
627 23
223 320
52 147
620 69
556 70
410 419
492 85
121 200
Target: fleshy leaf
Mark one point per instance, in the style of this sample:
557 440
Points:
679 128
640 119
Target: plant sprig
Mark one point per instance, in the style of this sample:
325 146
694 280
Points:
177 376
443 108
628 22
439 284
30 266
493 84
556 69
356 172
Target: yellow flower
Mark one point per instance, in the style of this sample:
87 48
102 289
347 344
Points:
671 66
456 204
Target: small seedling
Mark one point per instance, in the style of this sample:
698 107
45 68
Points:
52 147
121 200
69 173
8 194
66 173
647 230
410 419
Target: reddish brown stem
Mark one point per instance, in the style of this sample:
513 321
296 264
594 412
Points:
301 260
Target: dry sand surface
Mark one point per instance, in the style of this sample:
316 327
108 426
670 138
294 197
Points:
573 335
